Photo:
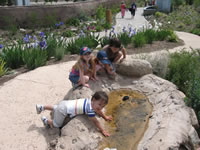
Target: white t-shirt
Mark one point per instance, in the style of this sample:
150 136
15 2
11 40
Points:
76 107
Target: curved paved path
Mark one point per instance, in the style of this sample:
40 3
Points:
20 127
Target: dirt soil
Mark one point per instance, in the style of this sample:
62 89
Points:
156 46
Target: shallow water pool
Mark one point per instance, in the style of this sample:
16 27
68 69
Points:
130 119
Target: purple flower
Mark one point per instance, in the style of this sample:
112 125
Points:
130 29
124 29
82 34
26 38
132 33
113 29
57 25
43 44
42 35
35 38
88 28
1 46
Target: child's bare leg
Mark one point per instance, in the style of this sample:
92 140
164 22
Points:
86 78
48 107
40 108
50 122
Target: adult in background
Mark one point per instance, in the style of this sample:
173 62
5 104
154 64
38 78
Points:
123 8
133 9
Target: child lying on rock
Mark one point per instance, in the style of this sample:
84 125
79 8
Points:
72 108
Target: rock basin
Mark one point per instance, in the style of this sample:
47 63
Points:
130 119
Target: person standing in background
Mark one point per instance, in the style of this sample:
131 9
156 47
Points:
123 8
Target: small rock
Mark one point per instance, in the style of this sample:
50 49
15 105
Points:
74 141
62 146
53 143
134 82
22 30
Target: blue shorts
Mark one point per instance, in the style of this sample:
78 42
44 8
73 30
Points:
74 79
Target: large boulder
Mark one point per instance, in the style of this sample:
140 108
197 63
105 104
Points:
172 124
134 67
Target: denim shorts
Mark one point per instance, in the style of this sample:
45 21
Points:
74 79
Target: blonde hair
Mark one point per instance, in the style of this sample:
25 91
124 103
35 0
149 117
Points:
79 64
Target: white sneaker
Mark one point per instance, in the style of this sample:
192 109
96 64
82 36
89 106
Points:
45 121
39 108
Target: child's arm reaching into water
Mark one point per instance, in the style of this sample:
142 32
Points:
107 118
97 123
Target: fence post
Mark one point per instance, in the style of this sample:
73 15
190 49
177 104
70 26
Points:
108 16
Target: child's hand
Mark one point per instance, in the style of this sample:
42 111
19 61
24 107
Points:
105 133
108 118
121 60
87 85
96 78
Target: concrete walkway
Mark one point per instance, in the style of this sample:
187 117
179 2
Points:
137 22
20 127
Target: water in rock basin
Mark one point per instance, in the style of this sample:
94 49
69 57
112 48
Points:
130 119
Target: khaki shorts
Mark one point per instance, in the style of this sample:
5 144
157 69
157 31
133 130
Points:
59 119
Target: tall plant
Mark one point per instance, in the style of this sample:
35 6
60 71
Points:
34 57
3 69
12 55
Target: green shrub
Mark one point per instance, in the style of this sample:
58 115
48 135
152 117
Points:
73 22
3 69
51 46
162 35
12 55
198 24
150 36
89 40
50 20
68 33
59 53
196 31
83 17
104 41
159 14
34 57
124 38
193 95
181 26
10 24
182 66
139 39
172 37
107 25
99 28
100 12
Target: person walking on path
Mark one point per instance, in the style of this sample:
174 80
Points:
123 8
133 9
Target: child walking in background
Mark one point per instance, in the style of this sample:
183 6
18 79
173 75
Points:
123 8
83 70
72 108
